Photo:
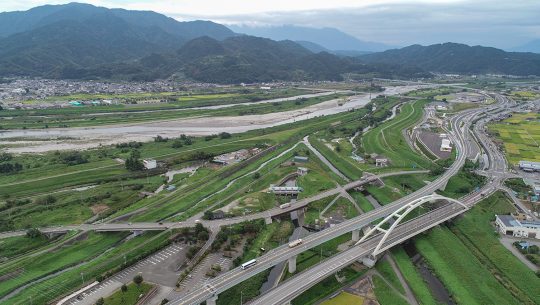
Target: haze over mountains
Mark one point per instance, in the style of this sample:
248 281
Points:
81 41
328 38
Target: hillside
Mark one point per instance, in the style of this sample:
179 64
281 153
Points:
81 41
245 59
51 41
460 58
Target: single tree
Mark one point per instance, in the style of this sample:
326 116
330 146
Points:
138 279
100 301
123 289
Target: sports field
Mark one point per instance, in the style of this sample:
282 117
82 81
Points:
521 136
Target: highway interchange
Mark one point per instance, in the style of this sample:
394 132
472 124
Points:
463 133
459 130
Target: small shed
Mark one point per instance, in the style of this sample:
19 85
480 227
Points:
302 171
381 161
150 163
300 159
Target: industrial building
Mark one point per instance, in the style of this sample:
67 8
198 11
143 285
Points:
529 166
509 225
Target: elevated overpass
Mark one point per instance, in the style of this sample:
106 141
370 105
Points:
458 124
161 226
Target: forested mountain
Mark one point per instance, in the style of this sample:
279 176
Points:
460 58
81 41
245 59
51 40
22 21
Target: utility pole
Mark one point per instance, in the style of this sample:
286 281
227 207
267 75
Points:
82 277
241 296
125 261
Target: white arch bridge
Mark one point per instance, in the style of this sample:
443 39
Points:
375 241
397 217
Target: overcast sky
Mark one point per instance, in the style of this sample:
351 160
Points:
499 23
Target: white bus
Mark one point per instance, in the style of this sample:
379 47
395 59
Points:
285 205
295 243
249 264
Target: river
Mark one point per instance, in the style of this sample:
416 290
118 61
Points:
89 137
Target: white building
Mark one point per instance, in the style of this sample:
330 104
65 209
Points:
381 161
446 145
509 225
529 166
441 108
150 163
302 171
285 190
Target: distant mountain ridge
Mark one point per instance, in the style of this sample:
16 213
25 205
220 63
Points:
244 59
531 46
328 38
46 40
81 41
22 21
460 58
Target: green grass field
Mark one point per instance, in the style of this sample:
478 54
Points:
387 139
130 297
520 135
33 268
69 280
326 287
475 231
385 295
362 202
413 277
386 271
344 298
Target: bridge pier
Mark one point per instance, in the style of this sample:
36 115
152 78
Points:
268 220
356 235
212 300
292 264
369 261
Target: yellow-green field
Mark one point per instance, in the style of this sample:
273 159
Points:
521 136
525 95
344 298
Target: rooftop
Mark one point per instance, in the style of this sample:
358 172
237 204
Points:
510 221
529 164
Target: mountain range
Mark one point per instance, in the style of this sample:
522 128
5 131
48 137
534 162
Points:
460 58
86 42
81 41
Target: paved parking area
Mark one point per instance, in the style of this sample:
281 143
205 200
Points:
159 268
198 275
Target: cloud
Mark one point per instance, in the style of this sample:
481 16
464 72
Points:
498 23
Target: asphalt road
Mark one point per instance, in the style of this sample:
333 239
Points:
458 125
